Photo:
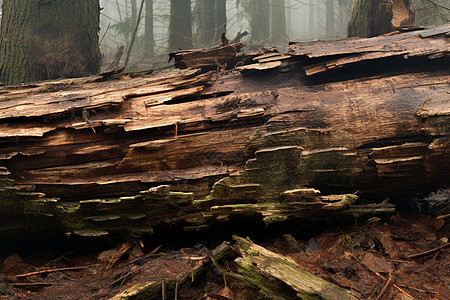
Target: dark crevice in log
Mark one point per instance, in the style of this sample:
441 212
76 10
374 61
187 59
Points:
397 141
198 97
385 66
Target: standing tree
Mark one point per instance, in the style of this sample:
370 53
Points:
376 17
44 39
180 27
330 26
206 22
278 24
221 18
259 20
149 37
212 20
134 13
311 19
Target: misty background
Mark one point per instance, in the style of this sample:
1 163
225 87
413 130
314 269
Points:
305 20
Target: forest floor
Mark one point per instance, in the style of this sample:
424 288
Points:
368 258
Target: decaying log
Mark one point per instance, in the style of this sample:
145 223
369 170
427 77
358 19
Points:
207 58
326 56
272 273
124 153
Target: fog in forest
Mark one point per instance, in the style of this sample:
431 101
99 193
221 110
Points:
274 23
304 20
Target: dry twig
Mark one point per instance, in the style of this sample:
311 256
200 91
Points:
429 252
386 287
55 270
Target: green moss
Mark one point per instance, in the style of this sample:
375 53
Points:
349 199
69 209
274 219
437 125
269 286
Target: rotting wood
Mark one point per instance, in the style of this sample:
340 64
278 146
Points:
118 154
271 264
153 290
206 58
325 56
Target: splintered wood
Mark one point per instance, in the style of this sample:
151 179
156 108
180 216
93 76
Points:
122 153
325 56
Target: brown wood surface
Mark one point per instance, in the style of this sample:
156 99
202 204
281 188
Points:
244 136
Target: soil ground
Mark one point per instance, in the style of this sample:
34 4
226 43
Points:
361 258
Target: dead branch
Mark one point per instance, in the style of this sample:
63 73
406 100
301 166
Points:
386 287
55 270
429 252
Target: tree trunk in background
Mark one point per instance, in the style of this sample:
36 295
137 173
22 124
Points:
376 17
48 39
149 34
278 12
330 26
221 19
259 20
344 12
180 27
311 19
431 13
289 18
133 18
207 22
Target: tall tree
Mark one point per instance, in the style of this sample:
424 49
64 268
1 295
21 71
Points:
330 25
44 39
180 27
311 19
259 20
376 17
278 18
221 18
149 37
212 19
134 12
207 22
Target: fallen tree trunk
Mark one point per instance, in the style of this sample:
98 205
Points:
123 153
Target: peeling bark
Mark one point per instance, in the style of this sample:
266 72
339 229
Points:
269 141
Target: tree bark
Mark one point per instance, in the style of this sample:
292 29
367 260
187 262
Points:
180 27
48 39
373 17
273 140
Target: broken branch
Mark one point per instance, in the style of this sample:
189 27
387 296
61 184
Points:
429 252
55 270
